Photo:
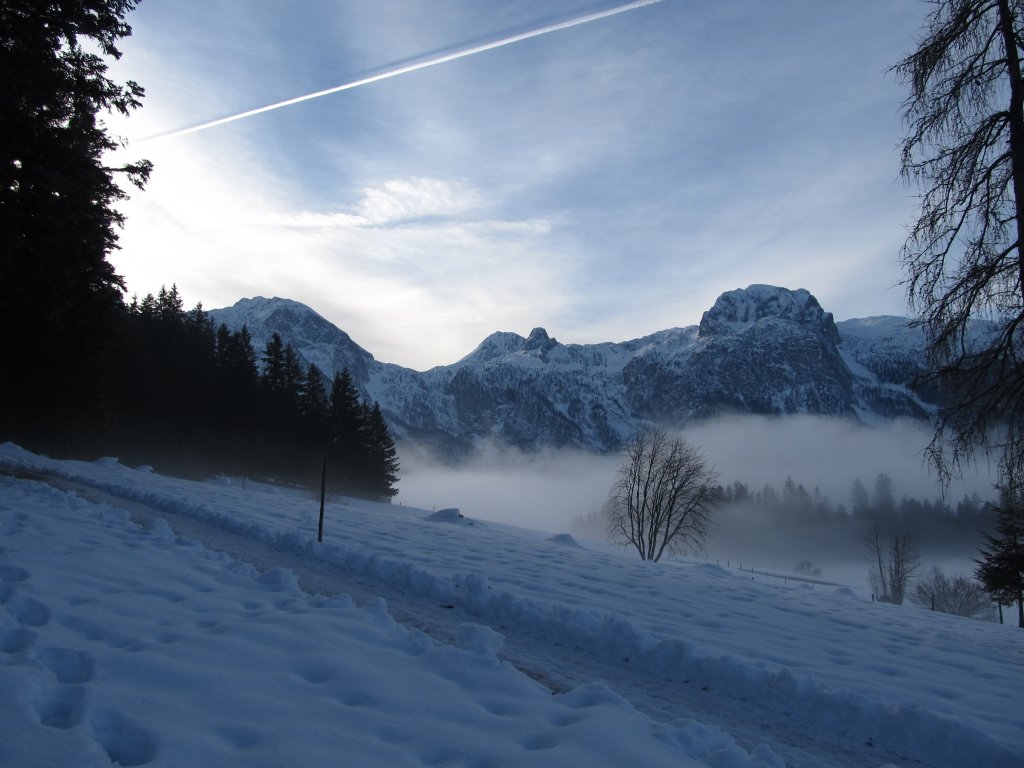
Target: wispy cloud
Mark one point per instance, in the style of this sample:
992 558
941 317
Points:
405 69
418 271
605 182
395 202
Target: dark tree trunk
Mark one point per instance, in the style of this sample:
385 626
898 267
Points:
1016 117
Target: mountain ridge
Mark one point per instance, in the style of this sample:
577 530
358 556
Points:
763 350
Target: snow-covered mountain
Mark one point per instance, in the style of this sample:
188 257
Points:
762 350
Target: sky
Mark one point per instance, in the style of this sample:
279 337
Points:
603 181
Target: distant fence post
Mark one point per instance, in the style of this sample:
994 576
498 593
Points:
323 493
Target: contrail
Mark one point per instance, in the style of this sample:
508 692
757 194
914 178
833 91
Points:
411 68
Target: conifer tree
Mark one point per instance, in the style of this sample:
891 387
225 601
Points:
314 400
382 457
170 308
245 353
57 209
346 429
1001 567
236 361
292 376
273 365
859 502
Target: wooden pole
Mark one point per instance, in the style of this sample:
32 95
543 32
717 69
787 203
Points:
323 493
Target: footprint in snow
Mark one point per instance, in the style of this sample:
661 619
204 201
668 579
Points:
27 611
61 708
12 573
314 673
16 640
124 742
68 666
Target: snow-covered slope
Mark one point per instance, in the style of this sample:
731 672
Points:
885 355
220 633
763 350
314 338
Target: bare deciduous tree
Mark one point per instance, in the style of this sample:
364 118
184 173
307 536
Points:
958 595
662 497
964 259
806 568
894 560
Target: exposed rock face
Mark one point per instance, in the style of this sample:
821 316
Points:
736 311
762 350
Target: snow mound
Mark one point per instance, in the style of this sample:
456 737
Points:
566 540
12 452
449 515
714 571
479 640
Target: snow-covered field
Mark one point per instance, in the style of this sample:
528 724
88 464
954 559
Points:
148 620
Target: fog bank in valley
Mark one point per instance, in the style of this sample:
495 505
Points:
542 490
547 489
829 454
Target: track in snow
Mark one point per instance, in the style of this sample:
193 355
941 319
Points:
554 665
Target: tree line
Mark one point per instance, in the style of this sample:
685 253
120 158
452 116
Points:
792 512
84 372
202 397
787 517
664 499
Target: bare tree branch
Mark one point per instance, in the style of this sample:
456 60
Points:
663 496
963 258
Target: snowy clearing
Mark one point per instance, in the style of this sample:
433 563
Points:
148 620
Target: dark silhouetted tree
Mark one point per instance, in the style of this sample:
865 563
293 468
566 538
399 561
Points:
883 502
346 431
381 456
293 375
273 366
964 258
860 504
314 402
894 559
663 496
958 595
1001 566
58 215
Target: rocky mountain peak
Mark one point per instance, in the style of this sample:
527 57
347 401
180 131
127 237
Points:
496 345
736 310
316 339
761 350
538 340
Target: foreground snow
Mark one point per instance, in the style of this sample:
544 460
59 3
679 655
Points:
141 645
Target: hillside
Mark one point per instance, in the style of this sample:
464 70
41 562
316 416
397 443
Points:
152 621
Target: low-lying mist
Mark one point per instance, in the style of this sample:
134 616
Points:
545 490
563 490
828 454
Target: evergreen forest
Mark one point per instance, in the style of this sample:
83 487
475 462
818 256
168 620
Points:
197 399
